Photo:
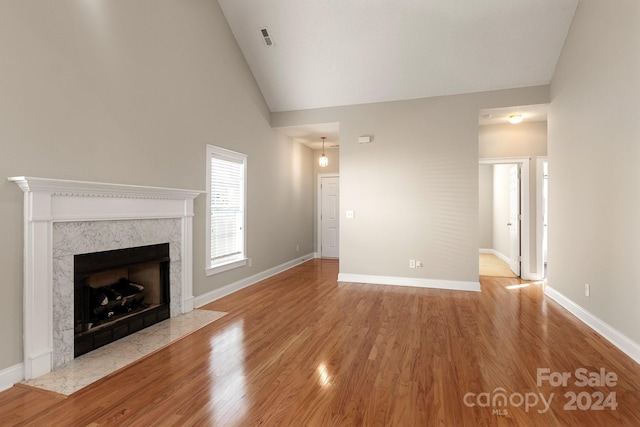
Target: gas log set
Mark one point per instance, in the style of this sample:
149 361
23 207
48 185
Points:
121 297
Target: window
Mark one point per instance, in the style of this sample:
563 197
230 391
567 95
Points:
226 189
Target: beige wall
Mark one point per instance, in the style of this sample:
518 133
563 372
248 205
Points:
333 154
526 139
485 206
131 92
414 189
594 178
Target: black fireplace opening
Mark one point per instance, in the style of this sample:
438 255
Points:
119 292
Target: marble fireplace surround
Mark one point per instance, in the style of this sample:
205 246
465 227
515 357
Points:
63 218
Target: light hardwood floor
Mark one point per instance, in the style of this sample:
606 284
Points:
302 349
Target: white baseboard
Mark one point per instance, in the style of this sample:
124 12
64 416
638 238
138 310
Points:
216 294
534 277
409 281
11 375
615 337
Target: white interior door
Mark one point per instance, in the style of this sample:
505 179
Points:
330 217
514 219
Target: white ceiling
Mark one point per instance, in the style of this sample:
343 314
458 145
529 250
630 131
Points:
344 52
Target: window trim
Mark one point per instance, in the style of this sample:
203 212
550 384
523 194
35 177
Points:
228 155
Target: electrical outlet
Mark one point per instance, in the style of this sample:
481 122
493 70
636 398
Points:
587 289
412 263
250 262
418 264
297 248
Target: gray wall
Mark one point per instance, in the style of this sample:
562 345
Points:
131 92
414 189
594 147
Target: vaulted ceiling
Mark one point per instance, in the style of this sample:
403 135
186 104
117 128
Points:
342 52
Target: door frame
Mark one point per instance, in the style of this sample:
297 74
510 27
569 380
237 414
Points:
525 224
515 201
540 161
318 253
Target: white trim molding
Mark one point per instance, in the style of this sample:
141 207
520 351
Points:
410 281
48 201
615 337
10 376
502 160
540 161
216 294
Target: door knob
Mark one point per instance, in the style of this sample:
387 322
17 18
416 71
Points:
508 224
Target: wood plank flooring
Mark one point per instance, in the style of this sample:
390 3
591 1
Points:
302 349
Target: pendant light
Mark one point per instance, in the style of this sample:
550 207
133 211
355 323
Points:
323 161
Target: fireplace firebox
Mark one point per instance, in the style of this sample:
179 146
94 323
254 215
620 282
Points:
119 292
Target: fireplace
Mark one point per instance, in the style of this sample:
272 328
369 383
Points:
119 292
63 218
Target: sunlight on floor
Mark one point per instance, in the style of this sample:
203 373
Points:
525 285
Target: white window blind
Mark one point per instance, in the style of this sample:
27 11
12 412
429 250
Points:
227 199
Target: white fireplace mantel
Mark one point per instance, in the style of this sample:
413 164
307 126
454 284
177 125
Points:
49 201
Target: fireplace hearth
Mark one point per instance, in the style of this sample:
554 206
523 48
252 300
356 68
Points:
119 292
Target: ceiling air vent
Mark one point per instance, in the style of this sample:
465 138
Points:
266 37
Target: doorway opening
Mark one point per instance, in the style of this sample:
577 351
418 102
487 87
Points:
500 142
500 221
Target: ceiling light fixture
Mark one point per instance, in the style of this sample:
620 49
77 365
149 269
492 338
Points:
323 161
514 119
